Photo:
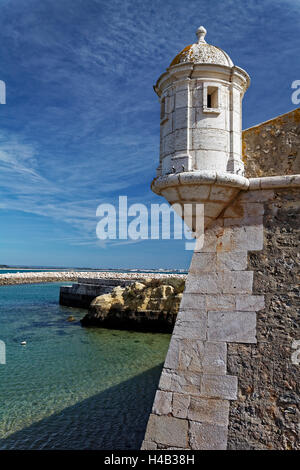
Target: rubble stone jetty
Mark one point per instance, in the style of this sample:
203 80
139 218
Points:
83 276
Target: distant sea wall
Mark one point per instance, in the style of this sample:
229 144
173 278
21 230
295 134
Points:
38 277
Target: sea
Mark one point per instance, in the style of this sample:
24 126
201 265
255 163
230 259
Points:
71 387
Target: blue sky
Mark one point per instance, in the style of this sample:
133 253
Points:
81 123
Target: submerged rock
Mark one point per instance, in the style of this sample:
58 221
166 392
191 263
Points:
149 305
71 318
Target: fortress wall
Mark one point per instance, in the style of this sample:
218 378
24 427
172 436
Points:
273 147
228 379
232 370
191 407
266 413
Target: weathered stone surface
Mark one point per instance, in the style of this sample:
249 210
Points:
217 238
192 301
215 358
232 327
171 361
191 329
266 414
248 221
231 261
209 411
250 303
191 315
206 283
219 386
180 381
165 380
180 405
256 196
205 436
191 355
167 430
272 148
220 302
148 445
203 262
162 403
237 282
248 237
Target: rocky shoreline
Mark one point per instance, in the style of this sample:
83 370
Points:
133 301
150 305
39 277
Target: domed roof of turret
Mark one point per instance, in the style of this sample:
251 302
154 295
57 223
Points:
202 53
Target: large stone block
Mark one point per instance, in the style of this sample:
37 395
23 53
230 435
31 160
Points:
240 282
168 431
199 120
180 405
170 101
203 262
213 209
210 139
165 381
191 329
205 436
171 361
181 139
249 237
210 159
205 283
215 358
184 382
221 193
194 192
192 301
200 357
162 403
217 238
181 99
249 303
231 261
220 302
181 118
169 143
197 96
171 194
167 126
191 315
191 355
233 327
236 121
211 411
219 386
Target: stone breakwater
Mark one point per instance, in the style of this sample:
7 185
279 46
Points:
152 304
38 277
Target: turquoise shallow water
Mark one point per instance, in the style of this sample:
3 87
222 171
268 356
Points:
71 387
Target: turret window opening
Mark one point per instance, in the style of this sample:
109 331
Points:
212 97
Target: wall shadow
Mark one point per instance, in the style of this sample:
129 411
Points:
113 419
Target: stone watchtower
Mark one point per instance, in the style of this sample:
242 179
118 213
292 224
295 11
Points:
201 97
201 105
229 352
